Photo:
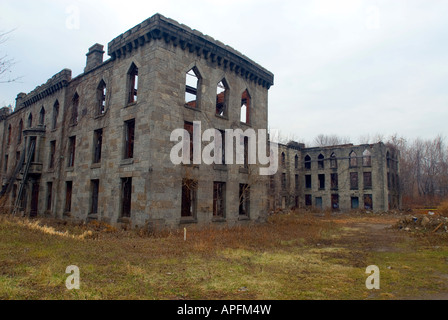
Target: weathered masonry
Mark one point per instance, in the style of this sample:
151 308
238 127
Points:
342 177
97 146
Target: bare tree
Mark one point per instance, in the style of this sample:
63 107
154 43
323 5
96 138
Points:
6 63
323 140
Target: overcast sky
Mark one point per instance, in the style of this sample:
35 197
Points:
347 67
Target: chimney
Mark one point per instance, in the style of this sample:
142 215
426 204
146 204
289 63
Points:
94 57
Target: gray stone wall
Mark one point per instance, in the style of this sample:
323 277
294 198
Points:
383 188
159 109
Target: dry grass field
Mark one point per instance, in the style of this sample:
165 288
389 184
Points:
295 256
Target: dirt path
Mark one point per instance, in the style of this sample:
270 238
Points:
378 235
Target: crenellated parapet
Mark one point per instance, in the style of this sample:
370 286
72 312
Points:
54 84
160 28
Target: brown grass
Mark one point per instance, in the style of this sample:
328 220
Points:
293 256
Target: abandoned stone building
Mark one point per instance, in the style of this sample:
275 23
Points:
342 177
97 146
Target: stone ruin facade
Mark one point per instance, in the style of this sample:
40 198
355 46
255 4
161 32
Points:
340 178
97 146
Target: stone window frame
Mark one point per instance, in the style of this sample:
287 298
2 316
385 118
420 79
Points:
196 91
74 114
189 200
246 101
222 99
219 200
101 103
98 136
132 84
244 200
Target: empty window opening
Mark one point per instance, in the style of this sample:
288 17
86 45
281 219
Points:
318 202
95 187
283 159
335 201
296 162
244 200
353 159
221 149
320 161
308 200
219 189
126 197
366 158
19 136
321 178
71 151
353 180
101 98
192 83
68 196
307 162
132 84
52 154
296 180
367 177
30 121
49 196
55 115
368 202
334 180
283 180
189 198
221 98
333 161
42 116
308 181
34 201
75 107
354 202
188 127
129 136
245 107
31 142
97 145
246 152
9 134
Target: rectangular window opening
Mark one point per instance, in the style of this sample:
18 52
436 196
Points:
189 197
71 151
68 196
129 139
244 200
321 178
95 187
334 181
219 199
97 145
126 197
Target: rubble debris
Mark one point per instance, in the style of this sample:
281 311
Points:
423 223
